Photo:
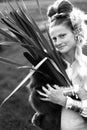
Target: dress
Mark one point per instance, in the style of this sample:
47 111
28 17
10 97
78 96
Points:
71 120
51 116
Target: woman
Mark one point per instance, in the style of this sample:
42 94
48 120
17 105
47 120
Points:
68 31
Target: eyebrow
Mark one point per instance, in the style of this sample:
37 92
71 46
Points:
59 35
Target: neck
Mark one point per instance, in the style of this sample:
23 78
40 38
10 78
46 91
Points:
70 56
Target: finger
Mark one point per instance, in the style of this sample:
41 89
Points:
42 94
56 86
45 90
45 99
49 87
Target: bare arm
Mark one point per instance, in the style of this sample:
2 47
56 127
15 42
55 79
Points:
57 95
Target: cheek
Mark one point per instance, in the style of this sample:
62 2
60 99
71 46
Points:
72 40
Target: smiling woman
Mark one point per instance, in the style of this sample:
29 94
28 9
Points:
58 87
68 32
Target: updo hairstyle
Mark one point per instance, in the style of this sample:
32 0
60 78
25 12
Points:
59 13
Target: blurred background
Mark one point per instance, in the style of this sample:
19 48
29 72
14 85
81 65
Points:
16 113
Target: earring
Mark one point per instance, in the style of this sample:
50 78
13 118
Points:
76 38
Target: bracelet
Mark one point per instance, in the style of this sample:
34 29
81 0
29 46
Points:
84 106
69 103
74 105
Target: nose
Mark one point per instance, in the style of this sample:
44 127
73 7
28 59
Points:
58 41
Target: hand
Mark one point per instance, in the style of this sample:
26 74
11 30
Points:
53 94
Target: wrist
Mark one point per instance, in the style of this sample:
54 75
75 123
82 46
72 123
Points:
64 101
74 105
77 106
69 102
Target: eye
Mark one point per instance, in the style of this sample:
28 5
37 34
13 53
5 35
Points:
62 35
54 39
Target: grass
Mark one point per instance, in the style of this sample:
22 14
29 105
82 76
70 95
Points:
17 112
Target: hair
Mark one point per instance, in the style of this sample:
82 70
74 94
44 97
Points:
60 6
63 12
61 19
59 13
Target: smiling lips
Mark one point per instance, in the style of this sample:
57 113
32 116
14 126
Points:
60 46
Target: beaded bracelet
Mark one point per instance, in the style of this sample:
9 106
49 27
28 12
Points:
74 105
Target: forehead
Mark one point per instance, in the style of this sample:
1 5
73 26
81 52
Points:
59 29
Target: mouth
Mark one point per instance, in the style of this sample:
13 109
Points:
60 46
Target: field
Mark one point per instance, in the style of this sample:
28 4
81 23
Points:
16 113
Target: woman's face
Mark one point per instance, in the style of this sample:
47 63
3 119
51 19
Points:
63 38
